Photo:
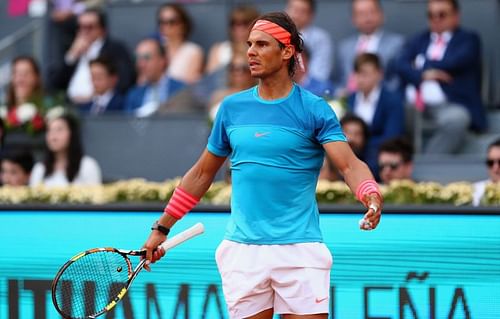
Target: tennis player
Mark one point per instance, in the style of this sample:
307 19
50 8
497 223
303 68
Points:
273 259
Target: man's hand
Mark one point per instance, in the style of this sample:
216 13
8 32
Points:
436 75
372 216
79 47
155 238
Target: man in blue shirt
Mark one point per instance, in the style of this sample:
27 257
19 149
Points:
273 259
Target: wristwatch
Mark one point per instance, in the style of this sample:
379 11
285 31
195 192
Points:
162 229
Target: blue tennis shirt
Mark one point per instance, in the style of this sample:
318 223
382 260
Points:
276 154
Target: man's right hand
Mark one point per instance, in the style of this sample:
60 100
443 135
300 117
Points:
155 238
437 75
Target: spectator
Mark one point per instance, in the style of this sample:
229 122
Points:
239 78
316 40
185 57
63 16
322 88
24 98
25 84
151 60
442 66
381 109
16 167
493 164
65 163
91 41
395 160
368 19
220 53
357 133
104 80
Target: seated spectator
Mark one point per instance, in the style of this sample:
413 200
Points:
395 160
493 164
104 80
368 19
239 78
185 58
357 134
144 100
16 167
316 39
381 109
91 41
65 161
25 83
442 66
221 53
322 88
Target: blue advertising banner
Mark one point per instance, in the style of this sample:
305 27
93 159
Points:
412 266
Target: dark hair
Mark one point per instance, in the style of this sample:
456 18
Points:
377 3
21 157
37 90
398 145
367 58
353 118
454 3
495 143
283 20
311 4
247 13
75 149
108 64
102 18
181 12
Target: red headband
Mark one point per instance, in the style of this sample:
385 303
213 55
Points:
273 30
280 34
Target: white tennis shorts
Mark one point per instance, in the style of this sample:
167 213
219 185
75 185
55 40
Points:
292 279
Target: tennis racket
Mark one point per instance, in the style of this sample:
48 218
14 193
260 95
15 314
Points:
94 281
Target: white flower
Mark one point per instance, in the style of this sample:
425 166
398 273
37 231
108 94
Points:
55 112
25 112
3 112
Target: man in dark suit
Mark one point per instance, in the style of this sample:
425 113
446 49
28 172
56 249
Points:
106 98
91 41
442 66
381 109
151 61
368 19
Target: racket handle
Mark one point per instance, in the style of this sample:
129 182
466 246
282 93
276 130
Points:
181 237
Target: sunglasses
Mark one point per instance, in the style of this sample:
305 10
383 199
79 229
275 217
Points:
87 26
145 56
391 165
239 23
169 22
491 162
440 15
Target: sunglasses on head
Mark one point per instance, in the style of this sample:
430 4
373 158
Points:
437 15
490 162
391 165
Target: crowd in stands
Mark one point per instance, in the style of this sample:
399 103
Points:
385 81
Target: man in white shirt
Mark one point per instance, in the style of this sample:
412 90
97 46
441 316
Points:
493 164
316 39
91 42
368 18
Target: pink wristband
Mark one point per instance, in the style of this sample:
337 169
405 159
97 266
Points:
367 187
180 203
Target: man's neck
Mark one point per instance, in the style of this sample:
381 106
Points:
275 87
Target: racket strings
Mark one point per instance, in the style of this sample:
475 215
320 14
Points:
91 282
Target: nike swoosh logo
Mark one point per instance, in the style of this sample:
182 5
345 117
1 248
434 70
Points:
318 300
259 134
